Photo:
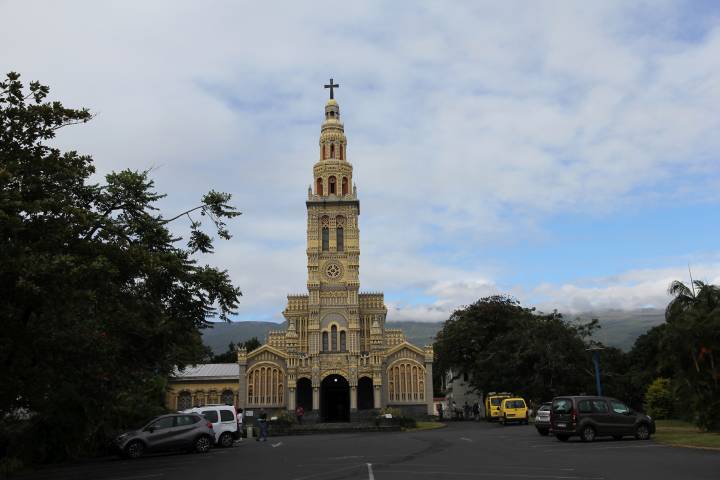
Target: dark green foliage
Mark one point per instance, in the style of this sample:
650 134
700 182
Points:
691 347
230 356
99 302
506 347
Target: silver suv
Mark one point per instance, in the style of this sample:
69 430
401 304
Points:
185 431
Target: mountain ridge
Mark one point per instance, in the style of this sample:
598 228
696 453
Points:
619 328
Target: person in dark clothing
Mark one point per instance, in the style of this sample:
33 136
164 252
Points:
299 413
262 420
440 411
476 411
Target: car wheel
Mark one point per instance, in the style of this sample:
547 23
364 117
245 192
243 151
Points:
202 444
226 440
617 437
587 434
543 431
562 438
642 432
135 449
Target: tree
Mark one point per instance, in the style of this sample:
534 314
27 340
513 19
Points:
506 347
659 398
691 343
100 301
230 356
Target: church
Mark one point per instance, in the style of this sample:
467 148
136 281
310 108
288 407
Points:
335 358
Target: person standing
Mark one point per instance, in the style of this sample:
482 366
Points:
466 411
299 413
240 419
440 411
476 411
262 420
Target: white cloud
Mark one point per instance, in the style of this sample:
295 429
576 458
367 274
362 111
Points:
468 124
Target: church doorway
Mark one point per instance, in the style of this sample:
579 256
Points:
365 394
335 399
303 394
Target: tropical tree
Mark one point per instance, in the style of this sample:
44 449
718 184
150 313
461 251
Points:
502 345
100 301
691 344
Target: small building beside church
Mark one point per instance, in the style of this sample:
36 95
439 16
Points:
335 358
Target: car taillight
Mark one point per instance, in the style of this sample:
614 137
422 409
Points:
210 425
573 416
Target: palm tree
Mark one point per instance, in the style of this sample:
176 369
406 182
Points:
692 341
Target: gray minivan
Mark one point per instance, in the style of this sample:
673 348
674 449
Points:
188 431
589 417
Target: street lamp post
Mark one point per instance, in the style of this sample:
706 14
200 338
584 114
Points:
596 361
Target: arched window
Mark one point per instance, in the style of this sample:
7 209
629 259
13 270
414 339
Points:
266 385
228 397
199 399
319 189
332 190
344 186
325 342
343 340
340 149
325 239
340 239
332 149
406 382
184 401
333 338
323 152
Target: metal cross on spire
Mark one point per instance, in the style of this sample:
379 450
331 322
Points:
331 86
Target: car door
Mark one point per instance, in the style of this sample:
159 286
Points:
601 417
212 416
623 421
185 431
160 433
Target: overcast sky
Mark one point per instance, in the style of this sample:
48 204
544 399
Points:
567 153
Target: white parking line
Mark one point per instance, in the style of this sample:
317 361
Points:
466 439
371 476
274 445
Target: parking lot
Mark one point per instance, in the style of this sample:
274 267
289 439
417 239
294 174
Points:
462 450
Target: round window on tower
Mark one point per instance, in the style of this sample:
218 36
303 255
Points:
333 271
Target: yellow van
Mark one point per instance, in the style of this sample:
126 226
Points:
493 401
513 409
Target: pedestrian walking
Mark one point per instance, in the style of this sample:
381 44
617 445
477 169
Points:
240 419
466 411
476 411
299 413
440 411
262 421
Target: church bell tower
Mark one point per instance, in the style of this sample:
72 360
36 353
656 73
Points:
333 246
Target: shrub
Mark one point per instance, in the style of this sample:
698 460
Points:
659 398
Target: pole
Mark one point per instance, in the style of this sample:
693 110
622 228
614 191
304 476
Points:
596 361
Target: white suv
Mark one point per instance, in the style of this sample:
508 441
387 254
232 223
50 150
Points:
224 422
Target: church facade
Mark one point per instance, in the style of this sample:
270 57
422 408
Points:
335 358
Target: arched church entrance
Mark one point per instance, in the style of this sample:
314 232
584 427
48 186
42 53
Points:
335 399
365 394
303 394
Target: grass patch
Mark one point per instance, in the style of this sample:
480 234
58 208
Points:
426 426
684 434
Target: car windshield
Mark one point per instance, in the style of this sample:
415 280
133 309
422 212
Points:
562 405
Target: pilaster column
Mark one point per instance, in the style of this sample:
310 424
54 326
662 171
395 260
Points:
316 398
376 396
353 398
291 399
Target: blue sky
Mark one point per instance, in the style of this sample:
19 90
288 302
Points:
562 152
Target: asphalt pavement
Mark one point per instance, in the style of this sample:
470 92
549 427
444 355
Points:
463 450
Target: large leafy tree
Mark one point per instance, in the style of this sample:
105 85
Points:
100 301
505 346
691 346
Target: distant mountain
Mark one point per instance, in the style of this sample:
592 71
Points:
619 329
